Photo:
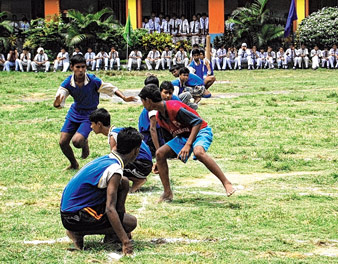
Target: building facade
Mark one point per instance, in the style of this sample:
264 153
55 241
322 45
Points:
217 10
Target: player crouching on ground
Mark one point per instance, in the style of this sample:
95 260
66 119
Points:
93 201
190 134
136 171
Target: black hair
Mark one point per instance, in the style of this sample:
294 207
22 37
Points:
181 47
184 70
152 79
195 45
166 85
195 51
127 140
152 92
26 48
77 59
202 51
174 68
100 115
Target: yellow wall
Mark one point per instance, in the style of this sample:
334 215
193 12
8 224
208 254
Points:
300 7
131 5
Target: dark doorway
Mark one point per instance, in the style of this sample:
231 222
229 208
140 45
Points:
38 9
177 7
315 5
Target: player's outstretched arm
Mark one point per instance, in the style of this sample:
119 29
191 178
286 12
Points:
109 89
125 98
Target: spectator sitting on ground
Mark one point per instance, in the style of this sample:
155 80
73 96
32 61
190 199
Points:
40 60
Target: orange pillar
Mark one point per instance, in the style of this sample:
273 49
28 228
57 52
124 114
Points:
139 13
52 8
216 16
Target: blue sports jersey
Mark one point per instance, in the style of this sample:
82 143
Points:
86 98
145 153
193 81
200 70
83 191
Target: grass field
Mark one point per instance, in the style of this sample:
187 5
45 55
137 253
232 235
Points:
275 136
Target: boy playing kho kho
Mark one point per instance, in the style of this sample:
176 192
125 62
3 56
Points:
85 88
93 202
190 134
136 171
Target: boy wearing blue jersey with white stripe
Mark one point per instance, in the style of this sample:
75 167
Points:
85 89
93 202
136 171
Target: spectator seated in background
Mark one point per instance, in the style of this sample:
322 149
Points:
40 61
90 59
62 61
12 60
181 58
153 59
102 59
135 57
114 58
77 51
25 60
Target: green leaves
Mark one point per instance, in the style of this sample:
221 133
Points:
320 28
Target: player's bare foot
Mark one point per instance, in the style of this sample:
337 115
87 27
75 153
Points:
85 150
230 189
72 167
76 238
137 185
166 197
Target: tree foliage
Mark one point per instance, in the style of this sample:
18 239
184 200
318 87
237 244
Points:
320 28
6 30
253 25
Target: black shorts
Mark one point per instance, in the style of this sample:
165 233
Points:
87 219
139 169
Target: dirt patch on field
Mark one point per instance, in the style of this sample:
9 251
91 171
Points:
10 107
37 97
243 179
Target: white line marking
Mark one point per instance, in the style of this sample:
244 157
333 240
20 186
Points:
52 241
114 256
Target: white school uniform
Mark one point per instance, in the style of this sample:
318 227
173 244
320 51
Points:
153 58
291 56
132 61
315 56
40 58
64 64
181 58
221 58
303 58
194 30
174 26
183 29
333 53
325 59
165 27
114 57
102 58
166 58
204 26
90 60
25 60
281 59
270 59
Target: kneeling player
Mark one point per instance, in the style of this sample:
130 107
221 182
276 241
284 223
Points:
93 202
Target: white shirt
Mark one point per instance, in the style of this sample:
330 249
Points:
280 54
317 53
204 23
184 27
175 24
291 53
180 55
194 27
63 55
100 55
133 54
113 55
41 57
325 54
77 53
154 55
90 56
333 52
243 53
165 26
221 52
25 57
167 54
303 52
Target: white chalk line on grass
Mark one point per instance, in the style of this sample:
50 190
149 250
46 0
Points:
52 241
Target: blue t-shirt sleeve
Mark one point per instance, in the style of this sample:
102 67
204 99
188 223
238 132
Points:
187 118
176 82
66 82
97 81
176 98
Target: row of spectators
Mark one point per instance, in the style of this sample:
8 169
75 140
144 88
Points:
220 59
179 27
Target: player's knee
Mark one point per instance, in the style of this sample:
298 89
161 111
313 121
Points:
160 155
199 153
130 223
78 143
63 142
